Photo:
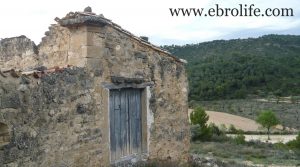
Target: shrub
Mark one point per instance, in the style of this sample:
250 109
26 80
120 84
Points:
200 130
280 146
221 139
158 163
239 139
232 129
223 128
294 144
199 117
215 129
201 133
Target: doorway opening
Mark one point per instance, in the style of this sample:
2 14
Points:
127 123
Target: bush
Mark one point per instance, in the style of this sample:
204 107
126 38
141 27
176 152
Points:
201 133
199 117
215 129
223 128
200 130
239 139
221 138
232 129
281 146
294 144
158 163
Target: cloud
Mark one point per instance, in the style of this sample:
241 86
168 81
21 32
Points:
150 18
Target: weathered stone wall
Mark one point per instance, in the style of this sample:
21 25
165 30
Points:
18 52
116 54
61 119
63 46
55 120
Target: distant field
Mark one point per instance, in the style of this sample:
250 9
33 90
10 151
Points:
245 124
287 113
242 123
239 122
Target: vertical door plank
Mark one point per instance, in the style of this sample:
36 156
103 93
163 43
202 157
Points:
138 120
130 121
134 121
112 126
123 122
117 124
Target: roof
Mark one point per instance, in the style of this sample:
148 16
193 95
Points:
90 18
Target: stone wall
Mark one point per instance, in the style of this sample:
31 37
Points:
59 116
125 57
63 46
18 52
53 120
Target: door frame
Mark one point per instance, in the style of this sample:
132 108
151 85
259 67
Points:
147 120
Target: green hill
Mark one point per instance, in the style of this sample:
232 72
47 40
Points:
235 69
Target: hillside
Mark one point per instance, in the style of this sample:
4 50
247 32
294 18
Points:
235 69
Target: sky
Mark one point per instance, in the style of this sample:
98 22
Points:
151 18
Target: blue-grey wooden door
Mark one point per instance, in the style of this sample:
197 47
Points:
125 123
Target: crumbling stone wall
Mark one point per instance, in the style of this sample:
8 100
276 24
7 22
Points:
53 120
18 52
63 46
61 118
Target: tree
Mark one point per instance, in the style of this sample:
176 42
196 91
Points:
201 131
231 69
267 119
199 117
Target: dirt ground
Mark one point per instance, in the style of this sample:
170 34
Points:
273 138
220 118
239 122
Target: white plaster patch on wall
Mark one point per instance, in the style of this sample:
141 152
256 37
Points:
150 117
184 90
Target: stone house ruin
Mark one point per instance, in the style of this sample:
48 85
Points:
90 94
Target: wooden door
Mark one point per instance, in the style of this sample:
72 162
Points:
125 123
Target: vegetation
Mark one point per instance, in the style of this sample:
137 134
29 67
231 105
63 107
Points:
268 120
265 67
254 151
220 71
287 113
239 139
201 130
199 117
235 149
295 144
232 129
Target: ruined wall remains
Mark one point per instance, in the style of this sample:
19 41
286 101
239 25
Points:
18 52
54 120
59 116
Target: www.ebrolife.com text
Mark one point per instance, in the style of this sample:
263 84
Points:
242 10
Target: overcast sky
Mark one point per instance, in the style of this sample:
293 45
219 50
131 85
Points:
150 18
